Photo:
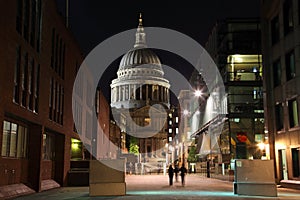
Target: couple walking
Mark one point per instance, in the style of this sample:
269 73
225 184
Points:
182 171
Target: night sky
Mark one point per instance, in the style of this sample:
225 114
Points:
93 21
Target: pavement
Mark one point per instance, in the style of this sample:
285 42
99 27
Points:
148 187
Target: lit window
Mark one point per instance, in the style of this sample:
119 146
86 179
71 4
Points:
170 139
176 119
177 130
293 113
170 122
290 65
170 130
14 141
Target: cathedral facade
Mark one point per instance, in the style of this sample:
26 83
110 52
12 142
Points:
140 86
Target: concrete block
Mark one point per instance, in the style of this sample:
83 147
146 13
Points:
257 189
107 189
100 172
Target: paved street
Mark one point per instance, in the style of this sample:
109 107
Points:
156 187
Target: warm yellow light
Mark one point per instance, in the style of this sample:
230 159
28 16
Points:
261 145
75 146
280 146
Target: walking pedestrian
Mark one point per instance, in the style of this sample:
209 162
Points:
171 174
176 170
183 172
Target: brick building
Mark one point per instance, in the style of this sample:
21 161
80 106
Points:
38 65
281 52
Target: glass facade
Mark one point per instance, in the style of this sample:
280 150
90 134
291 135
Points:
244 67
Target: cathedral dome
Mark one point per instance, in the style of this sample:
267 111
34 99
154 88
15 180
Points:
140 80
140 56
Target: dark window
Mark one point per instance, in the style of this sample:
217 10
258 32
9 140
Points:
17 76
298 12
39 25
275 30
56 52
295 160
288 22
279 117
30 84
36 89
51 98
24 82
53 48
33 23
26 19
19 17
63 62
293 113
290 65
277 73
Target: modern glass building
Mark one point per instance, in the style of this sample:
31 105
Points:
237 131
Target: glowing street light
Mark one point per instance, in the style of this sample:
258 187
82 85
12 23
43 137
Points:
185 112
198 93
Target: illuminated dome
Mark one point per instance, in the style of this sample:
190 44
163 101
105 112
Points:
140 78
139 56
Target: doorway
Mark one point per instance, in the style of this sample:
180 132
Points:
282 164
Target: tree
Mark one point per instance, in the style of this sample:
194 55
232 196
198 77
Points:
192 157
133 147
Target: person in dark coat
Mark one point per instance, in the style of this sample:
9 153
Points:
176 171
183 172
171 174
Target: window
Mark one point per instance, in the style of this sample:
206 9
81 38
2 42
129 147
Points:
17 76
277 73
293 113
52 47
299 12
288 21
24 79
48 147
176 119
33 23
36 89
290 65
295 160
279 117
19 16
26 19
14 141
275 30
170 130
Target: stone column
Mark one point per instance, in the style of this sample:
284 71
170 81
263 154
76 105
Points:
117 93
147 95
112 95
141 92
124 91
134 91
